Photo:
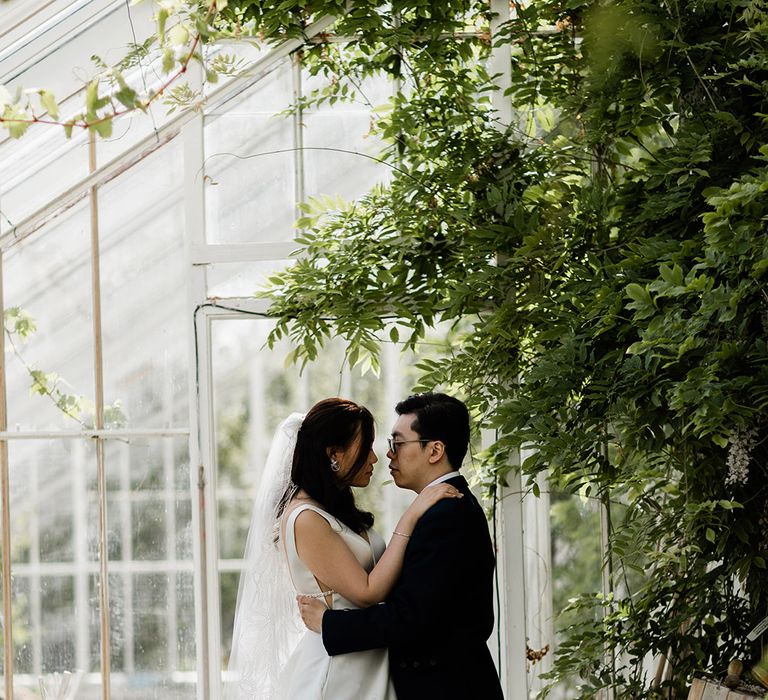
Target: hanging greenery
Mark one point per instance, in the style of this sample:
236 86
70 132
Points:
602 260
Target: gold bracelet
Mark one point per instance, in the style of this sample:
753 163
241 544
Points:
402 534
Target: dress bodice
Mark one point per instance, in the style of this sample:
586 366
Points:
310 673
366 551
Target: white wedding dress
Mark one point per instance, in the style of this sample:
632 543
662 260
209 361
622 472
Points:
310 674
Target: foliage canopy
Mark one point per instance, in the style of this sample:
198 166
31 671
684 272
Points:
602 260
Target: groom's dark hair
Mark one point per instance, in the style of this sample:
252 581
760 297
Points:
440 417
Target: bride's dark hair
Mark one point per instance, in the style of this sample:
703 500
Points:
332 423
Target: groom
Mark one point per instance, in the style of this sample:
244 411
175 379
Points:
440 613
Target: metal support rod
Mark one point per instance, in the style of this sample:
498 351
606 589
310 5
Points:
203 539
607 575
607 571
98 369
125 435
605 544
510 513
194 215
298 132
5 486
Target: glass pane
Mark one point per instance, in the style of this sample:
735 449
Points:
22 619
38 168
338 144
143 280
55 539
186 642
249 164
576 563
151 587
44 164
47 277
129 129
537 539
117 636
149 504
57 620
148 529
150 602
51 556
241 279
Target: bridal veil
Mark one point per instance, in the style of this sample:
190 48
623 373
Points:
267 623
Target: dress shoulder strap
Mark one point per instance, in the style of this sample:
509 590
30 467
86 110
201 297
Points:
332 521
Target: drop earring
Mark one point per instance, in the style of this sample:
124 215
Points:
334 465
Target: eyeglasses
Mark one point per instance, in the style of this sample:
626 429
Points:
393 444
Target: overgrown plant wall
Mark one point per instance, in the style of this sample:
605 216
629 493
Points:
604 260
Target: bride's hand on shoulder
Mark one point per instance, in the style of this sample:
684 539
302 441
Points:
431 495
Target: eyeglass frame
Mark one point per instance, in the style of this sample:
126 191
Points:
392 444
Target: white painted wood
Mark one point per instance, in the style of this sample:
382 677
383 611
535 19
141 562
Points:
117 434
199 399
538 579
204 254
511 557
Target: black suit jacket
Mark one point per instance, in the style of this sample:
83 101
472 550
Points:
440 613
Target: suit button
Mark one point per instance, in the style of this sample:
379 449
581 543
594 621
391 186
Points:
402 664
433 662
416 664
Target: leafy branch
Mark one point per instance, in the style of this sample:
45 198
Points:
182 28
18 323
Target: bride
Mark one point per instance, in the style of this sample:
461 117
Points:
308 537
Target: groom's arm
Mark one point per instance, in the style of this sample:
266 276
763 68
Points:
424 598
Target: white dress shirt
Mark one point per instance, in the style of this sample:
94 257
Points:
444 477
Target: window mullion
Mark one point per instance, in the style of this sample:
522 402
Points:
98 368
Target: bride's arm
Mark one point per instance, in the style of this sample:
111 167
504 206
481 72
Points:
332 562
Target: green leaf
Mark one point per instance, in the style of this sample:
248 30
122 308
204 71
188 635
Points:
721 440
641 300
16 121
92 101
20 322
48 101
729 505
103 127
169 61
17 129
162 18
127 97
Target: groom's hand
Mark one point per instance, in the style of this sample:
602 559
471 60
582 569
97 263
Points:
311 610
